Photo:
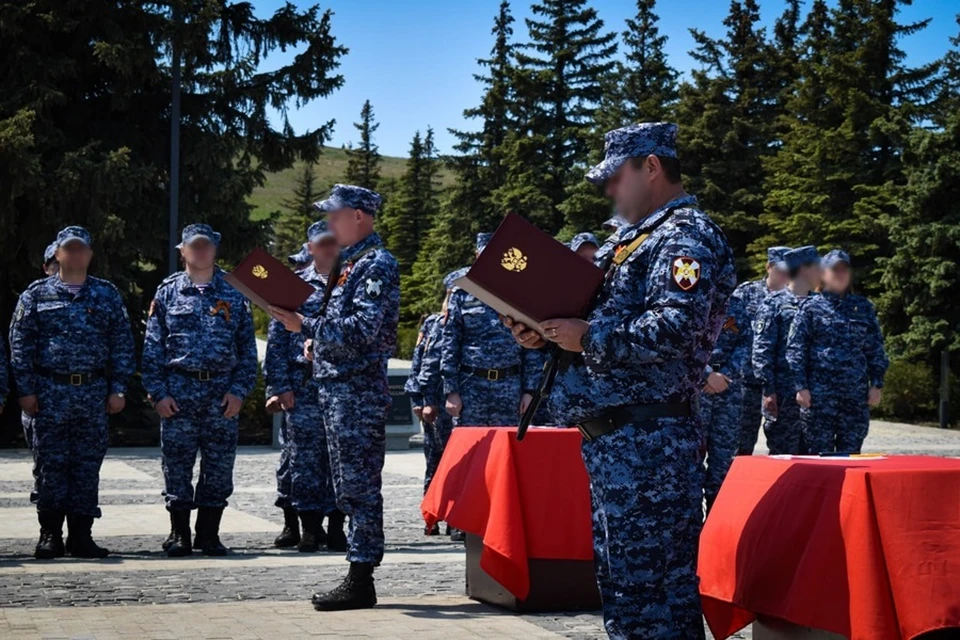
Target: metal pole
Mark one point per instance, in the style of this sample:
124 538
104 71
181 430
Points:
174 255
944 389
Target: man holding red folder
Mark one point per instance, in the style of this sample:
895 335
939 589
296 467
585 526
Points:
633 381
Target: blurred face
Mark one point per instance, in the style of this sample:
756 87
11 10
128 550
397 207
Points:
810 275
324 253
199 254
74 256
836 279
776 279
630 189
348 226
587 251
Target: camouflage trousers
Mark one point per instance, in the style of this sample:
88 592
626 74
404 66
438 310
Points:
199 426
720 414
836 421
646 483
283 465
489 403
355 418
305 482
26 421
750 418
69 443
435 437
784 432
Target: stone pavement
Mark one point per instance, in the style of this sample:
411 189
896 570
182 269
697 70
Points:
259 591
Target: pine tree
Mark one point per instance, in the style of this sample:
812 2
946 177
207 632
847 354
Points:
363 162
290 230
649 85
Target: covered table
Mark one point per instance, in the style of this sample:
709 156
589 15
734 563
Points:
529 502
862 547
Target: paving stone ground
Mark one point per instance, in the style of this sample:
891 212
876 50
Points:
261 592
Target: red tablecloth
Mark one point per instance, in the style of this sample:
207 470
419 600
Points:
527 499
869 549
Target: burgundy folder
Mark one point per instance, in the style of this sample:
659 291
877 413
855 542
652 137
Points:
267 281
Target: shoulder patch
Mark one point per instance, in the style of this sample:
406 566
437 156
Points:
730 324
374 286
685 274
153 308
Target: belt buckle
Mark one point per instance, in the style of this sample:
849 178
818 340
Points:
76 379
203 376
493 375
583 432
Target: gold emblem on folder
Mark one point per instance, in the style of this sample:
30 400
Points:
514 260
259 271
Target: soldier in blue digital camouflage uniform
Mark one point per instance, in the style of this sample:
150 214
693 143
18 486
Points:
722 397
633 383
836 356
4 375
488 380
304 485
751 295
614 223
72 355
586 245
301 259
352 339
199 363
781 414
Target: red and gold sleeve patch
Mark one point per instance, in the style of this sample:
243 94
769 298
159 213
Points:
685 273
730 324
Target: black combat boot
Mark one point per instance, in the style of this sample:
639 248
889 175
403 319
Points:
180 545
290 536
79 542
51 536
432 531
313 535
336 538
173 532
355 592
208 531
456 535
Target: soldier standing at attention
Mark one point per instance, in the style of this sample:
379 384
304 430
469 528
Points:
432 447
751 295
636 371
72 355
781 413
199 362
351 340
304 485
488 380
836 355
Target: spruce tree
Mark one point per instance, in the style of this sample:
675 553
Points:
290 228
649 85
363 161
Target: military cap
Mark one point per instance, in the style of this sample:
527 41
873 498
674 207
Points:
483 239
454 275
796 258
301 257
50 253
348 196
318 231
614 223
634 141
73 234
583 238
775 256
835 257
193 232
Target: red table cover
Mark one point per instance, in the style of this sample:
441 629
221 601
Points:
527 499
866 548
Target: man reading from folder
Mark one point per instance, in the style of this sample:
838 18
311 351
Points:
632 387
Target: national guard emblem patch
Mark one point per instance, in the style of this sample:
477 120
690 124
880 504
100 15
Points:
374 287
686 273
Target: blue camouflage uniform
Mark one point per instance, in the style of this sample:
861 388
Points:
303 475
584 238
72 352
302 258
751 295
651 334
435 435
482 362
784 432
199 346
4 374
721 411
353 341
835 351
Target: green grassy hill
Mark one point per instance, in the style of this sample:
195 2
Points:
330 169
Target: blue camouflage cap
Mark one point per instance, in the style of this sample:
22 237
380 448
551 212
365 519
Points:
348 196
318 231
835 257
483 239
73 234
583 238
454 275
301 257
796 258
634 141
614 223
193 232
50 253
776 256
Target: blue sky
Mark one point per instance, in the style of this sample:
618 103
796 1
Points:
414 59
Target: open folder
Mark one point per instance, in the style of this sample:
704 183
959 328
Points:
267 281
526 274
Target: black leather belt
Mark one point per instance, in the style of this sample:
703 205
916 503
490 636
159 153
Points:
202 376
74 379
491 374
616 418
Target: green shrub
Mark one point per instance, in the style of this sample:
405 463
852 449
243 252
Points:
256 427
406 341
909 392
261 322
